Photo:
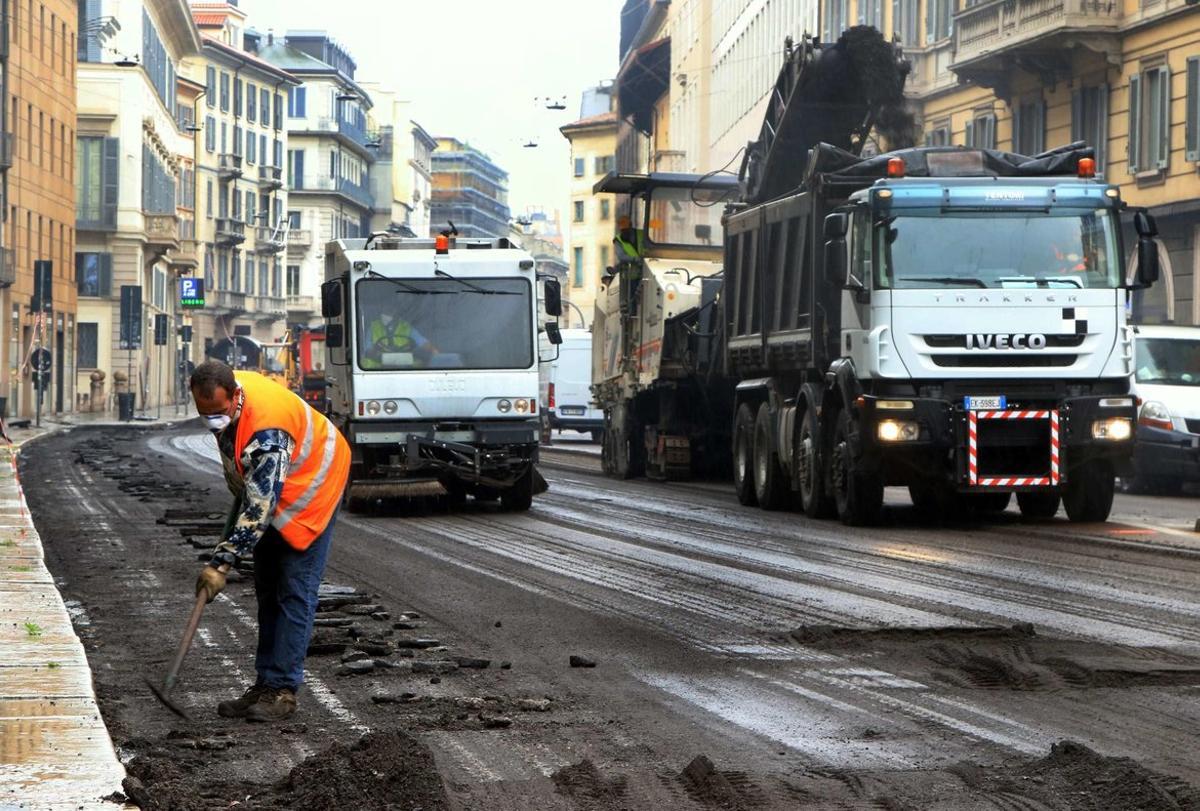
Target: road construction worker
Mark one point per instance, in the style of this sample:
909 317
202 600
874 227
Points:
287 466
387 333
630 241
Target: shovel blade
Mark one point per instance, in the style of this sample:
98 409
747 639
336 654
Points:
160 692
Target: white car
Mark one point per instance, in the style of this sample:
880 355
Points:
1166 379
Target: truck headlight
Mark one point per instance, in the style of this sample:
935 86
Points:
898 431
504 406
391 407
1155 415
373 407
1116 429
522 406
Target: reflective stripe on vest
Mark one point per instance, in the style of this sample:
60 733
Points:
313 487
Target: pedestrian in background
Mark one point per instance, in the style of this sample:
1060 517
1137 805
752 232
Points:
287 466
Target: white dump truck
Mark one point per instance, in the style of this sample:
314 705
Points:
432 366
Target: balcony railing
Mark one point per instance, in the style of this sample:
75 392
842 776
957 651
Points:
229 301
299 238
271 305
6 150
1004 25
301 304
269 240
270 177
8 267
230 232
186 255
344 128
162 229
230 166
341 185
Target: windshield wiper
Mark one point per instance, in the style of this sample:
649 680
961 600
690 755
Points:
967 280
406 287
474 287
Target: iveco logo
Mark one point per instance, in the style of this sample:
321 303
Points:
1031 340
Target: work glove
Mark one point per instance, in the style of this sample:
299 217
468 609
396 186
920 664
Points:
211 582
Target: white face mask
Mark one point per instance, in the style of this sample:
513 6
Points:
218 422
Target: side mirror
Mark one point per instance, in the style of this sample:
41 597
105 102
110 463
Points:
836 267
334 336
1144 224
553 299
1147 269
704 233
553 334
837 225
331 299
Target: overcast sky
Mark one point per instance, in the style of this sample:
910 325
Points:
473 69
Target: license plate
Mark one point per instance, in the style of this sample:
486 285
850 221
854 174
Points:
572 411
998 403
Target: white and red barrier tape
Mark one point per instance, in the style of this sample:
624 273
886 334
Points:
973 418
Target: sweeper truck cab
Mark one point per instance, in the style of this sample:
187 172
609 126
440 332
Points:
432 350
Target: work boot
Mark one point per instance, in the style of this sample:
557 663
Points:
238 706
274 704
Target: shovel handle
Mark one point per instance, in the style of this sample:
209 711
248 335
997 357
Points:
188 633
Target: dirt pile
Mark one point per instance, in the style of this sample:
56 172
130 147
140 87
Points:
382 770
584 783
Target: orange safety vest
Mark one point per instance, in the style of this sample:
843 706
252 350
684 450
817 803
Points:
320 463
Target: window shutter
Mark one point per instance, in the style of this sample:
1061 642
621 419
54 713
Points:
92 52
1192 137
105 262
1101 127
929 24
112 166
970 133
1133 148
1039 127
1164 129
1077 97
1018 141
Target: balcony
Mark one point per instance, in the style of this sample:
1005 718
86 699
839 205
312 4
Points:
996 37
186 257
348 131
162 230
300 238
269 240
6 150
229 302
230 232
229 167
270 177
8 267
271 306
302 304
352 191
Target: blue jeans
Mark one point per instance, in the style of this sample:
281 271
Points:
286 583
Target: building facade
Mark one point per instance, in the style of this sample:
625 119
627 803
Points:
470 190
241 194
591 217
134 177
402 175
37 159
328 160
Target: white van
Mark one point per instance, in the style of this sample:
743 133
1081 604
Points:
570 395
1166 379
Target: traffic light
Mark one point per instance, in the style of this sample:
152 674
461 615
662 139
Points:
185 333
131 317
160 330
43 278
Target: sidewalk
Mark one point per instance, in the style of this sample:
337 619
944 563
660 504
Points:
55 751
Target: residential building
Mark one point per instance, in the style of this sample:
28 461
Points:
328 158
469 190
37 108
591 217
535 236
402 175
134 175
241 191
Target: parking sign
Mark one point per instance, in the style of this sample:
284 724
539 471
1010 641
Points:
191 292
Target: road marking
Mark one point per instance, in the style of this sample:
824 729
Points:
327 699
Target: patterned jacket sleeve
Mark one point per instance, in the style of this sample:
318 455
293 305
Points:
265 461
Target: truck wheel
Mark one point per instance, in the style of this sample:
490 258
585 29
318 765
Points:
598 435
931 499
770 485
1038 505
814 496
743 455
1088 495
858 494
519 497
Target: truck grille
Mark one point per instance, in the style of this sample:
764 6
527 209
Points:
960 341
1193 426
977 360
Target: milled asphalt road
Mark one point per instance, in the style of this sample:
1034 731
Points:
779 646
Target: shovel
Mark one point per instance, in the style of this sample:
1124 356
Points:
163 692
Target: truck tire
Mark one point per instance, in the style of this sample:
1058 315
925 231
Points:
1088 495
519 497
622 454
858 494
770 485
1038 505
743 455
814 496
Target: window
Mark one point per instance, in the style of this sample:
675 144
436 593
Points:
263 278
224 92
238 87
262 151
604 164
981 130
1029 127
870 12
937 20
235 276
1150 120
1089 120
237 139
208 268
1192 111
158 184
224 138
603 257
277 154
293 280
96 181
578 211
296 103
939 135
278 111
208 196
159 290
293 219
251 101
93 274
905 24
249 275
210 134
580 167
835 19
250 207
157 63
264 107
89 345
295 169
251 147
210 84
577 268
605 209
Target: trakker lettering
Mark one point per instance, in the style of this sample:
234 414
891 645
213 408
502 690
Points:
1006 341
